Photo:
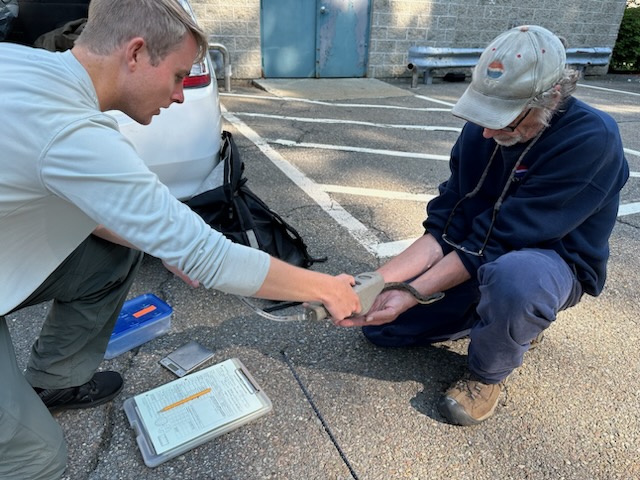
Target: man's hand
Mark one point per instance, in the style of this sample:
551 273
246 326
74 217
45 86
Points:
340 299
180 274
386 308
286 282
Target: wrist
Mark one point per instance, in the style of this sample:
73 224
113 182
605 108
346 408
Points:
409 301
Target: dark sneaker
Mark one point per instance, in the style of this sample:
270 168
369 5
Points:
469 401
100 389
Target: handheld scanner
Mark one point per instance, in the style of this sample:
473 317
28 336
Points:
368 286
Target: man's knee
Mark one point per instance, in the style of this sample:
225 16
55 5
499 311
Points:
507 280
103 263
55 465
523 276
25 453
122 259
530 278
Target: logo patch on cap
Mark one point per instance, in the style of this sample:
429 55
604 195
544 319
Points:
495 69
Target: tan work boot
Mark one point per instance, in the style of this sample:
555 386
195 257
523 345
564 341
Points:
469 401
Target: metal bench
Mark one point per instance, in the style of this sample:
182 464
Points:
427 59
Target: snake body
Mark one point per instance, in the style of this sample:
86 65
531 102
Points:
421 299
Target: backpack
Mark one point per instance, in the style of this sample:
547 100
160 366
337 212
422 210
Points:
62 38
231 208
8 13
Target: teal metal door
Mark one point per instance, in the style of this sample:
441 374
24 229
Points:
342 38
314 38
288 38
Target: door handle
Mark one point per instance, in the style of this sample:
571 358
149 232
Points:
323 10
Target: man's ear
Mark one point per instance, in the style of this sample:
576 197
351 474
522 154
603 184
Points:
135 52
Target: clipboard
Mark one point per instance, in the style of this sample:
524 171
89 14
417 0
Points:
180 415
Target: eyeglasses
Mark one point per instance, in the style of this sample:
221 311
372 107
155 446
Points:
462 248
496 206
512 128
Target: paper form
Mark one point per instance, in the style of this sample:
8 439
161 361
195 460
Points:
231 397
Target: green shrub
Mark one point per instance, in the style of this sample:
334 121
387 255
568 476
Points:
626 52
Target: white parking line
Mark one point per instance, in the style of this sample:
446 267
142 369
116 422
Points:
608 89
330 121
628 209
628 151
392 249
330 104
372 192
435 100
344 148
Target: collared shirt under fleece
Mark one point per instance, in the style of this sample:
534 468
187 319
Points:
67 168
564 195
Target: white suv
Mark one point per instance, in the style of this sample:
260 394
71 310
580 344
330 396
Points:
181 145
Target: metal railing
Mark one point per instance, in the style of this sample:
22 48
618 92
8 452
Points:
226 58
584 57
427 59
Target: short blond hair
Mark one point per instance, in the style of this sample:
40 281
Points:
162 23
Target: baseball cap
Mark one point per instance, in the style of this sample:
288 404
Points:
516 66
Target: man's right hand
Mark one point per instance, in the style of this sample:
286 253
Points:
386 308
341 300
286 282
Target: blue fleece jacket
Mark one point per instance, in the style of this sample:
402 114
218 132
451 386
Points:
564 195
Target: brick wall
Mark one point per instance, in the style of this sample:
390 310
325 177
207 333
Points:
398 24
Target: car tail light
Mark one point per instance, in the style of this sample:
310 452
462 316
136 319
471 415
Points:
198 77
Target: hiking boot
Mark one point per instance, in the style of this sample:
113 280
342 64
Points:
100 389
469 401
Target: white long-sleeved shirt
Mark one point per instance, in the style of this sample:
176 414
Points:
65 168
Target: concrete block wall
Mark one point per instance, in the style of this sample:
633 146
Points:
398 24
236 25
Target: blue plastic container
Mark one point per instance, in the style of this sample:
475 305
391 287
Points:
141 319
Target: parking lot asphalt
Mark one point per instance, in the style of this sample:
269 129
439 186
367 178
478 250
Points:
351 165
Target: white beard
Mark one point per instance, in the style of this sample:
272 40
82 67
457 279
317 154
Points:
505 141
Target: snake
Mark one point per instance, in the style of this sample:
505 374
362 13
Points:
420 298
266 313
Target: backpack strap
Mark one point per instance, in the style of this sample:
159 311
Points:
293 233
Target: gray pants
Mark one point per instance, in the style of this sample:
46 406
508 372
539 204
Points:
88 290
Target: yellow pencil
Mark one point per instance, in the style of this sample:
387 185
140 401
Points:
185 400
